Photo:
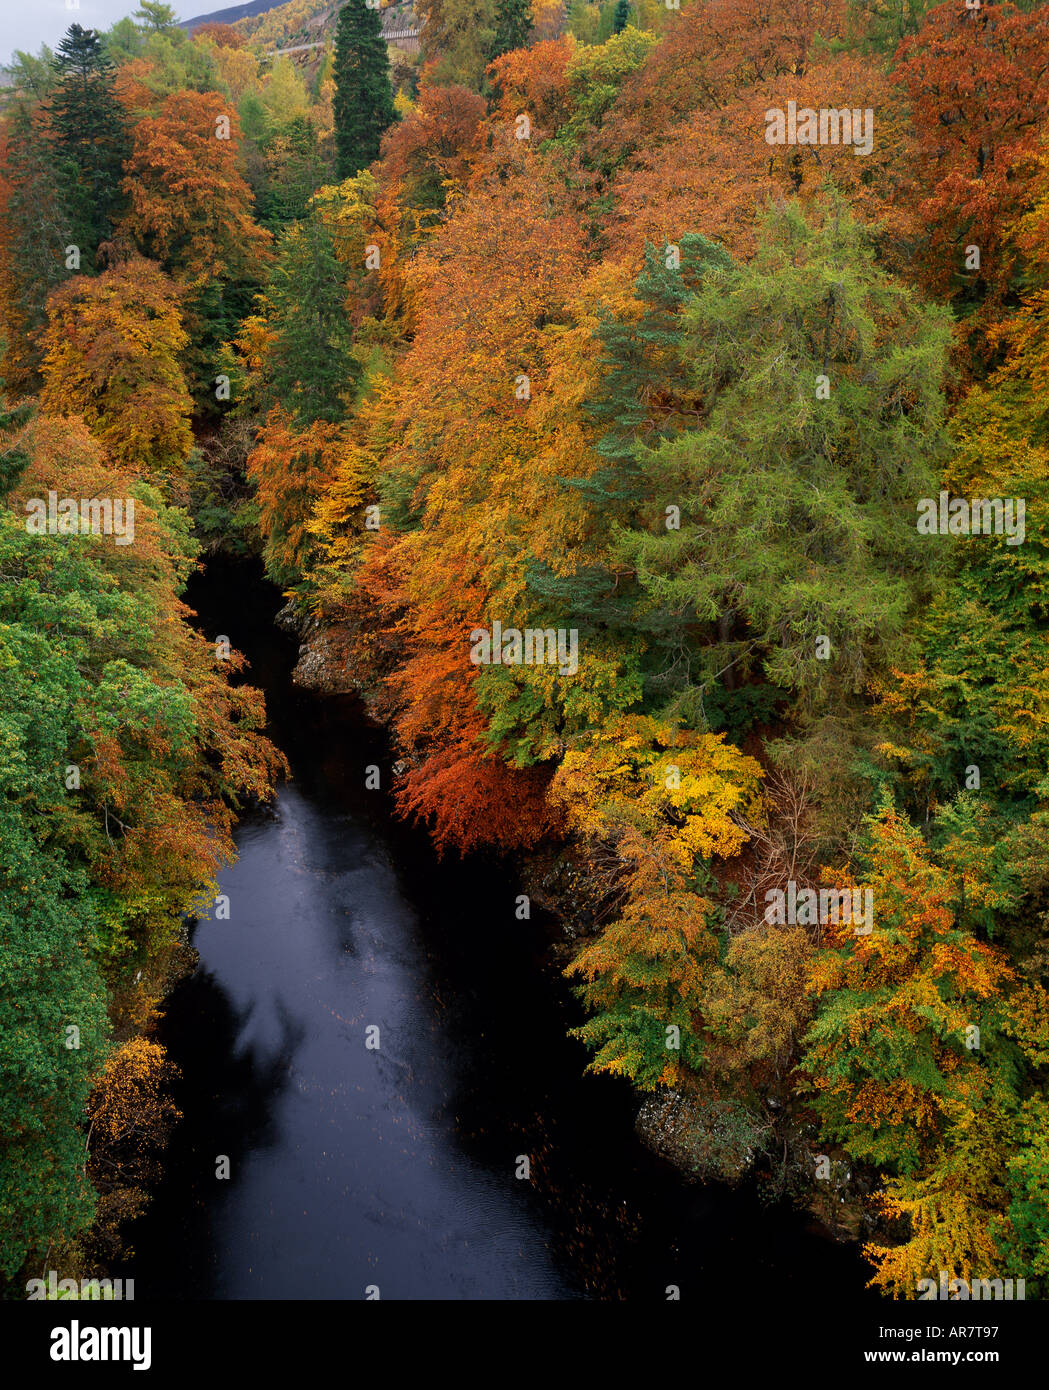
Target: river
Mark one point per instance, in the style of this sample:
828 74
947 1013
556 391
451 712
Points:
394 1169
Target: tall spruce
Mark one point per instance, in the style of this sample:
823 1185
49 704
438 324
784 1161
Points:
311 364
90 137
513 26
644 398
363 94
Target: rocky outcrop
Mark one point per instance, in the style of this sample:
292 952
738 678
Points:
326 662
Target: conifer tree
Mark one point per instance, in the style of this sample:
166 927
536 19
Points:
513 25
90 136
363 96
818 388
644 399
310 364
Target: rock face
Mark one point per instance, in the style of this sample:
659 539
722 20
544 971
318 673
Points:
702 1141
326 662
561 882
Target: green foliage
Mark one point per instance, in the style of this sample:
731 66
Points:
311 365
642 398
32 74
155 17
296 168
89 133
796 512
640 975
35 228
890 1040
513 26
595 76
882 24
1025 1233
363 95
49 980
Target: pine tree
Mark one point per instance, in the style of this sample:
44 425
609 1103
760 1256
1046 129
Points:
90 136
363 95
621 17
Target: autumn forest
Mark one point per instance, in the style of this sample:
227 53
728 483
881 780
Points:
643 409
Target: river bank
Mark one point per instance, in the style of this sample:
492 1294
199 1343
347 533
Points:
397 1167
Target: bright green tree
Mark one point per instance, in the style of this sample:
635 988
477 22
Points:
310 367
783 526
155 17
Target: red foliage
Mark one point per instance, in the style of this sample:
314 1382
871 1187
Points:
477 803
978 81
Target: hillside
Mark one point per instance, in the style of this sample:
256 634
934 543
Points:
230 15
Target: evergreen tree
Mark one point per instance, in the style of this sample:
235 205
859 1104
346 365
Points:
90 137
644 398
621 17
363 96
310 364
819 404
513 25
295 169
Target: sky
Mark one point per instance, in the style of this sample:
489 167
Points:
26 24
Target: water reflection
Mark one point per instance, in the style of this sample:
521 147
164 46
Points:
395 1167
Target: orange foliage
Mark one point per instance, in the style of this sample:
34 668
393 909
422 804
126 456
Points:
718 173
222 34
289 468
978 82
470 798
710 52
190 207
534 80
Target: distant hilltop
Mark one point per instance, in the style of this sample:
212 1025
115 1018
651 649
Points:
233 13
293 26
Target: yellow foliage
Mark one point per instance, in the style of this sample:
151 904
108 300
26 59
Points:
682 790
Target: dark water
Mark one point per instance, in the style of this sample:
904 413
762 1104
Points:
395 1167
